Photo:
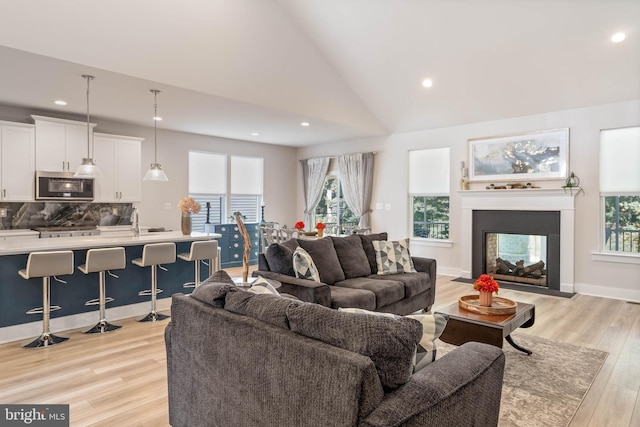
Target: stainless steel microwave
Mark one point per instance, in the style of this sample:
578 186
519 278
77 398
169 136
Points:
63 186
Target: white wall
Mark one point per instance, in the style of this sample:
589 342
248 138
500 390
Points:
280 166
391 185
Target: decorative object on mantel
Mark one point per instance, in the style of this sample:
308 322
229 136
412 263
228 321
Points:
572 183
155 172
320 227
88 168
511 186
486 285
531 155
299 226
188 206
464 177
499 306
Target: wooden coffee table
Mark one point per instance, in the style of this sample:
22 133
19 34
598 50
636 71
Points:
464 326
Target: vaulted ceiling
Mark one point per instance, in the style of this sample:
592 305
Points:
351 68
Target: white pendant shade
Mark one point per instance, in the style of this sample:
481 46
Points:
87 169
155 173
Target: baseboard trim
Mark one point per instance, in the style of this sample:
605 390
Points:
81 320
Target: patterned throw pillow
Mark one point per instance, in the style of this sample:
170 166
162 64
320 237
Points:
432 327
304 266
262 285
393 257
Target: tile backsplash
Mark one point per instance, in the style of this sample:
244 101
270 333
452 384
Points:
63 214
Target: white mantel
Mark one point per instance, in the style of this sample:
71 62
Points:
534 199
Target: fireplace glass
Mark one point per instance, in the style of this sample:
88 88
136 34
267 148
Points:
518 258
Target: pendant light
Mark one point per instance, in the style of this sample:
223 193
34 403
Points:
155 172
88 168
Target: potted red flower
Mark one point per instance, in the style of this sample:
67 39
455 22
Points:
320 227
486 285
299 225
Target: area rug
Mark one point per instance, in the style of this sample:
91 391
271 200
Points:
546 388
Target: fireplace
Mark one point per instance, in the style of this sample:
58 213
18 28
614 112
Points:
539 203
519 247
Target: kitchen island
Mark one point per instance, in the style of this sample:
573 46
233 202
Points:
18 295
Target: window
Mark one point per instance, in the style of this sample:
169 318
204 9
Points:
429 192
620 189
246 187
209 186
208 183
333 210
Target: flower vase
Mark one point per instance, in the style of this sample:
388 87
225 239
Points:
185 223
320 232
486 299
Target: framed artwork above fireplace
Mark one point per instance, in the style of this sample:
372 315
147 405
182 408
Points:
521 157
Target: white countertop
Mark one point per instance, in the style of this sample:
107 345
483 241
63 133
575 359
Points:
24 246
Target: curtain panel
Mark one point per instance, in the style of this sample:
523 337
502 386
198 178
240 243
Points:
313 173
356 177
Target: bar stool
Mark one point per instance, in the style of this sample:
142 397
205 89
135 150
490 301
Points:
200 251
101 261
153 255
47 265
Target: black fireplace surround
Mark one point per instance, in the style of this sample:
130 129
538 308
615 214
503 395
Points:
540 223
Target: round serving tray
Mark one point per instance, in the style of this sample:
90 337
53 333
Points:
500 306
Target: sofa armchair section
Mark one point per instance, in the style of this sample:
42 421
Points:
348 275
240 359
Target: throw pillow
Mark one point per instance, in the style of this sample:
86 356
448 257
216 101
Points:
367 245
262 285
219 276
432 327
267 308
325 258
393 257
280 257
390 343
303 265
213 293
352 256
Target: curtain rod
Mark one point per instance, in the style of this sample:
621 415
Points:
335 157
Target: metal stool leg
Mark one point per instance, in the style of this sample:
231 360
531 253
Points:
102 326
196 282
153 316
46 339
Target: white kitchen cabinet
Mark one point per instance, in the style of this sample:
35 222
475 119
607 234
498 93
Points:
17 161
119 159
60 144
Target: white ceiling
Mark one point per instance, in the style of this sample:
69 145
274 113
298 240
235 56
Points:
352 68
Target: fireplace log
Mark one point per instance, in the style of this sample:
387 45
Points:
519 269
537 266
536 274
502 266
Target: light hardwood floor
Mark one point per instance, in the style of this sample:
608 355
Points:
119 379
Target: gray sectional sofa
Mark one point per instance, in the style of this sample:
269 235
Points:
348 275
235 358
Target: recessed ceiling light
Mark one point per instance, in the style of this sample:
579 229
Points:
305 124
427 83
60 102
254 134
618 37
157 118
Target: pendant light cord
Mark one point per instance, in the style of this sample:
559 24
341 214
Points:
155 125
89 78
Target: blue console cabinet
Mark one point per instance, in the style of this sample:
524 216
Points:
232 246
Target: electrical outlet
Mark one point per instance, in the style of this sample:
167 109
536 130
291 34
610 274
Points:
167 205
3 212
388 206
